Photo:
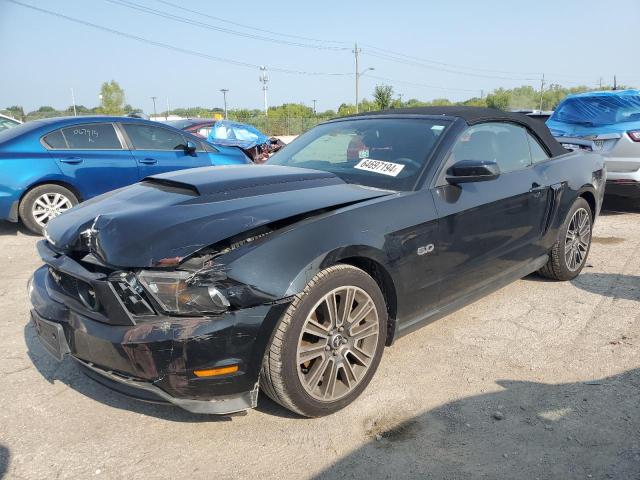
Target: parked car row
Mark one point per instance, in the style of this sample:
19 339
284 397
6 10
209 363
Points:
204 287
48 166
611 121
255 144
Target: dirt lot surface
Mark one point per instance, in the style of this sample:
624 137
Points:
539 380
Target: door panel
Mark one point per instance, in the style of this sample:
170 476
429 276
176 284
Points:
490 228
92 156
487 229
160 149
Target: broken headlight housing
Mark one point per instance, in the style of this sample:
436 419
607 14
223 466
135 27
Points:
183 293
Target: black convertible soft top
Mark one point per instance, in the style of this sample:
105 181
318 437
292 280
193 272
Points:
473 115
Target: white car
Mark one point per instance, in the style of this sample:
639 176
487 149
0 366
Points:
8 122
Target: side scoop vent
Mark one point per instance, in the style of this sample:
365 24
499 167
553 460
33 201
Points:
171 186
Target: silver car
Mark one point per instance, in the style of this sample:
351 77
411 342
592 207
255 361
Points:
611 121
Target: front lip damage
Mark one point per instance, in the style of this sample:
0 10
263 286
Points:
159 356
217 406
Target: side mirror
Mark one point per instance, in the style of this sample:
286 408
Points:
190 148
466 171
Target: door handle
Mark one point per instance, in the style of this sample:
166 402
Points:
71 160
149 161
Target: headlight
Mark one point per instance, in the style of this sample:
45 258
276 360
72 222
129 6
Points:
177 292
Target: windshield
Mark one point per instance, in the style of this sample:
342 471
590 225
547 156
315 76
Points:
598 110
384 153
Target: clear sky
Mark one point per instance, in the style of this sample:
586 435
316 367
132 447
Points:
451 49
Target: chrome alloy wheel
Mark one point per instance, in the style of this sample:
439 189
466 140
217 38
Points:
337 343
576 243
49 206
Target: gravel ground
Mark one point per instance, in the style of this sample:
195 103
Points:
538 380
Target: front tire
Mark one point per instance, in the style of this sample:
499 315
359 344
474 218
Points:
569 254
328 344
43 203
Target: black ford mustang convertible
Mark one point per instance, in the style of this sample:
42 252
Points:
202 287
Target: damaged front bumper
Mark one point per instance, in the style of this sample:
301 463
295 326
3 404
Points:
155 359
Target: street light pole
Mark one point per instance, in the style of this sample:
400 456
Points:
264 78
155 115
358 75
73 101
224 96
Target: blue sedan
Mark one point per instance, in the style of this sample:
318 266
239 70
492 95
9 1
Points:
48 166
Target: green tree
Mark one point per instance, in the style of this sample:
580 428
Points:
475 102
112 98
346 109
16 111
383 96
499 99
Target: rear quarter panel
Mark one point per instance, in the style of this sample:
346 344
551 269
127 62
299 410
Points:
23 164
572 175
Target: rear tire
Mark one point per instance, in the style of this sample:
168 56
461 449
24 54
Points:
320 362
569 254
43 203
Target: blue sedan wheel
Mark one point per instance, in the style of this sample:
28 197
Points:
43 203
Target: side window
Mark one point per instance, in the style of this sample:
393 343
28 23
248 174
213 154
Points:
503 143
538 154
149 137
92 136
204 131
55 140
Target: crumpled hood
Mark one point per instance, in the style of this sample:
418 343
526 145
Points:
178 213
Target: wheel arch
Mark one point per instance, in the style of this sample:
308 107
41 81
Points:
61 183
588 195
368 259
383 278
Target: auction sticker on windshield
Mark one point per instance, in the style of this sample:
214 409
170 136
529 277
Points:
378 166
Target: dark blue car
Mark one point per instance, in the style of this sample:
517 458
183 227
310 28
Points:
48 166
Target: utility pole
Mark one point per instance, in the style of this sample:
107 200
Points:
155 115
224 96
314 106
166 115
264 79
600 83
356 52
541 91
359 73
481 94
615 83
400 95
73 102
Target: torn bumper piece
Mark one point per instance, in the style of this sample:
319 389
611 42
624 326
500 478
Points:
148 392
155 360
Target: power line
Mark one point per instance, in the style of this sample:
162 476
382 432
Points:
423 85
250 27
171 47
432 67
436 62
197 23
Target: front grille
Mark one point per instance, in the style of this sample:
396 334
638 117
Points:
76 289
